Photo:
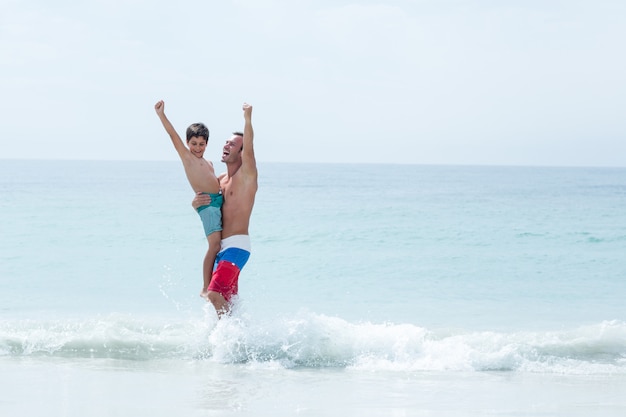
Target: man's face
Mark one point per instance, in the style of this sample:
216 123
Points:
197 146
232 149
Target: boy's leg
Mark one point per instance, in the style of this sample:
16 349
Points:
214 240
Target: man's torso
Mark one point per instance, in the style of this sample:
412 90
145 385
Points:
239 193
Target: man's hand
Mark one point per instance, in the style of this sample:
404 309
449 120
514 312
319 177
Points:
247 112
200 199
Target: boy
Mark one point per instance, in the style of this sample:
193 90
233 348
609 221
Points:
201 177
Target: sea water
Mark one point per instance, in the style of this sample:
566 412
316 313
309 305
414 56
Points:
372 290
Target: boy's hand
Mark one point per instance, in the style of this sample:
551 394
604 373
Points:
160 107
247 111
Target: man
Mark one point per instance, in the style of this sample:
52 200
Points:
239 186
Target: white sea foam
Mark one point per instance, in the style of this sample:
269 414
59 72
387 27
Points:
316 341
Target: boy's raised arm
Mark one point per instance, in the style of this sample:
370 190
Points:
176 140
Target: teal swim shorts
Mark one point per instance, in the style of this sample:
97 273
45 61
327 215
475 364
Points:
211 215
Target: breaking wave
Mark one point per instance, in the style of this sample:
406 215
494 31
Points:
317 341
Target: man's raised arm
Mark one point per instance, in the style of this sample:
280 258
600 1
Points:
248 158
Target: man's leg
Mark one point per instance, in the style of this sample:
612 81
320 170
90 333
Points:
219 302
225 278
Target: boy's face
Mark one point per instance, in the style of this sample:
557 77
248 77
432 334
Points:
197 146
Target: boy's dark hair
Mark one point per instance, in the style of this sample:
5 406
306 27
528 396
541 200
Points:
198 129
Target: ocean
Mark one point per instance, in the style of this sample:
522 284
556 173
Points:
372 290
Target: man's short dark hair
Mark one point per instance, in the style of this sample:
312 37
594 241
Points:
239 134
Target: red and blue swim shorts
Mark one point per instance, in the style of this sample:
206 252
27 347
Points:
234 253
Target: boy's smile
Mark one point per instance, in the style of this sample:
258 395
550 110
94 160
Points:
197 146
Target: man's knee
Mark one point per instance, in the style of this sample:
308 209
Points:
216 298
219 303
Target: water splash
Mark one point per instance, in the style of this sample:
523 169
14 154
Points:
317 341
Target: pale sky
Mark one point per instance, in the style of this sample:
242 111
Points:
495 82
